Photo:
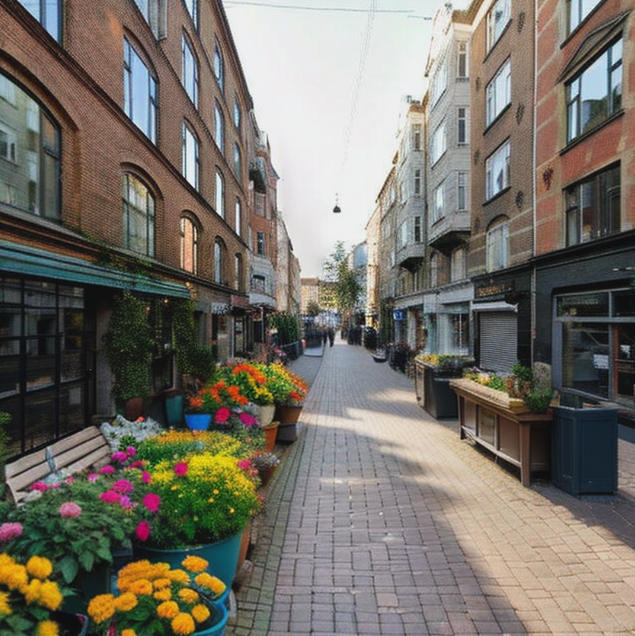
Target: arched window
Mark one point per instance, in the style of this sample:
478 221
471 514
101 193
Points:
189 245
139 92
219 262
219 127
239 273
29 153
237 114
190 167
219 71
190 71
138 216
238 221
238 163
220 194
497 245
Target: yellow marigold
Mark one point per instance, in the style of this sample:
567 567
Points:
31 591
50 596
101 608
189 596
179 576
47 628
194 563
39 567
159 584
125 602
141 587
200 613
168 609
5 608
212 583
128 632
13 575
183 625
164 594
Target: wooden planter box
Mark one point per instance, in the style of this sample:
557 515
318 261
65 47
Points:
433 391
505 426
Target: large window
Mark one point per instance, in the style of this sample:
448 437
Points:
497 245
415 136
138 216
439 83
458 264
462 67
497 19
192 9
238 163
219 127
189 245
219 262
238 114
596 93
48 14
238 217
462 191
497 171
190 156
139 92
596 336
239 272
417 182
593 207
29 153
577 10
498 93
190 71
438 209
155 13
220 194
438 144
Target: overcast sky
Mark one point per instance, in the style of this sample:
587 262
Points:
328 79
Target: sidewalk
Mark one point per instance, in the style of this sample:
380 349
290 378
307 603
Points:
381 521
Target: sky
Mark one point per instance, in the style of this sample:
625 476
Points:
328 79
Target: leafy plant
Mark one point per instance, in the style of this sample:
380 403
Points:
128 345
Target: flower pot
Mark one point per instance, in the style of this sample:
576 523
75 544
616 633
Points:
265 413
245 541
222 556
288 414
266 474
133 409
217 623
271 433
198 421
86 586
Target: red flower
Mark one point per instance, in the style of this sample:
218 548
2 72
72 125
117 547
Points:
143 531
222 415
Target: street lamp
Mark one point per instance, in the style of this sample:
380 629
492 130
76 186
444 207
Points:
336 209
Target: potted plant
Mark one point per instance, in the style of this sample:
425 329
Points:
206 502
80 523
154 598
266 464
209 400
432 382
128 345
30 600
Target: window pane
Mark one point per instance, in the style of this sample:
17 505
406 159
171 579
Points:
585 357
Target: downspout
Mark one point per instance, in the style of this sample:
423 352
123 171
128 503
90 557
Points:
534 185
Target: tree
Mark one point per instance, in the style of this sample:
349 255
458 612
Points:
347 286
313 309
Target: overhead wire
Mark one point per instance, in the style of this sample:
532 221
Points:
298 7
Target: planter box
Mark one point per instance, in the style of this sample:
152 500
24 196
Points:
505 426
433 390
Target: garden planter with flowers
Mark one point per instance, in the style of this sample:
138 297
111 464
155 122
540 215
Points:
155 599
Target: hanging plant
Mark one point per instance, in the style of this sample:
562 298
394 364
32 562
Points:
128 345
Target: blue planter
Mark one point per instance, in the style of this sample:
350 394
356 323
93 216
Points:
218 621
198 421
222 557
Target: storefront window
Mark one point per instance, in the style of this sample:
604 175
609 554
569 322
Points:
596 336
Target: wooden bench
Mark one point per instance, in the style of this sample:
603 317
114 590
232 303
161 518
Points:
68 456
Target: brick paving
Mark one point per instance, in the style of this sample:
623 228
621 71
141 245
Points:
380 521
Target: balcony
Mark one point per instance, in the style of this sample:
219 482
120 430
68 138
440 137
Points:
411 256
450 232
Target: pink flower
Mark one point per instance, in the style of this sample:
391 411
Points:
70 509
40 486
247 419
143 531
131 450
69 480
222 415
180 469
145 477
151 501
138 464
119 456
123 486
107 470
244 464
126 503
10 531
93 477
110 496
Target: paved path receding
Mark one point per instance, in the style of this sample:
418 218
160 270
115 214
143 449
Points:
381 521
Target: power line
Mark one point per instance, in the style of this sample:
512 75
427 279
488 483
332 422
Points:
297 7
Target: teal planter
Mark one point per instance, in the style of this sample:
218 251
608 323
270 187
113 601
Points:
217 622
198 421
222 557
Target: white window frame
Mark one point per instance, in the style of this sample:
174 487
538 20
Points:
497 170
463 191
219 194
140 92
438 143
498 94
497 246
462 60
439 83
438 205
190 157
463 125
497 19
189 70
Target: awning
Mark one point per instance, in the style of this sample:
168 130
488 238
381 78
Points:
31 261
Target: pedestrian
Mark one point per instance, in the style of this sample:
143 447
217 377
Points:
331 336
324 337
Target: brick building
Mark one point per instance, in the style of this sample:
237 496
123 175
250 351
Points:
126 140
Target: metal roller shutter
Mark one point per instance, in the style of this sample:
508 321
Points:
498 340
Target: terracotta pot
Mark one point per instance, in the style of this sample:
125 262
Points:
271 432
133 409
287 414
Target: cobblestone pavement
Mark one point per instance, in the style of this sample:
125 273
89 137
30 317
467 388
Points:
381 521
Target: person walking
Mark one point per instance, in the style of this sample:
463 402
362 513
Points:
331 336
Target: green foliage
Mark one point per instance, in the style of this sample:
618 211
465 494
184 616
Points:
128 345
287 326
538 402
313 309
5 420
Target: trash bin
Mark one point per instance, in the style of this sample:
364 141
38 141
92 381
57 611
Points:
584 450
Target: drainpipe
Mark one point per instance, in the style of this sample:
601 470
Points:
534 184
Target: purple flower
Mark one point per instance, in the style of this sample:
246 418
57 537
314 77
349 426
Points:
247 419
119 456
9 531
126 503
107 470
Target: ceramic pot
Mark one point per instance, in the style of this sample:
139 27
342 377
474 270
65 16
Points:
198 421
271 433
265 413
288 414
